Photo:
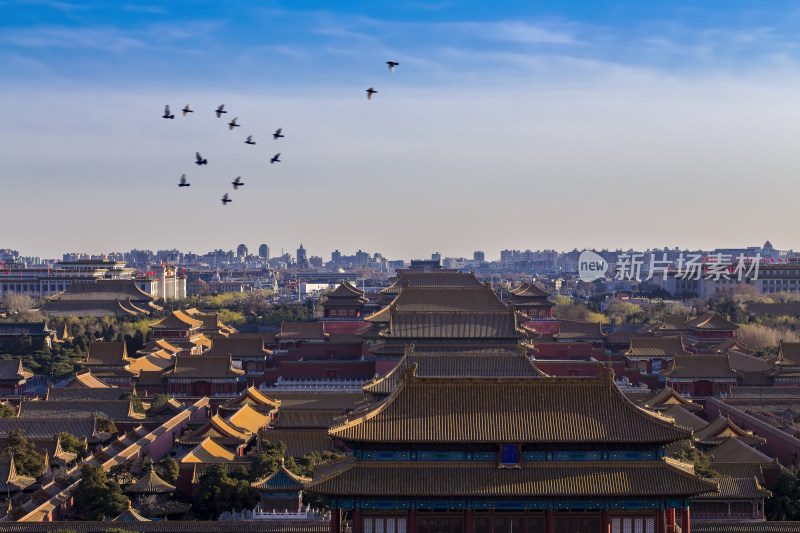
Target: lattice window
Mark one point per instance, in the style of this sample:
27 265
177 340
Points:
627 525
390 525
649 525
616 525
379 522
401 525
638 525
368 523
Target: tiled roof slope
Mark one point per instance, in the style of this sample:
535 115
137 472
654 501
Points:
11 369
85 380
541 479
667 396
75 393
700 366
788 354
471 325
347 291
150 483
299 442
533 410
302 330
281 480
34 329
457 365
46 428
177 320
109 290
722 429
452 280
657 347
92 308
737 488
579 330
439 300
10 480
711 321
194 366
238 347
530 290
736 451
107 354
59 410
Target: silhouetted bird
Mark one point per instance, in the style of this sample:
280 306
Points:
200 160
275 158
221 110
237 183
232 124
183 182
167 113
277 134
392 64
186 110
250 140
370 92
226 200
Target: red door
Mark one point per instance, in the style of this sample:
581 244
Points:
703 388
202 388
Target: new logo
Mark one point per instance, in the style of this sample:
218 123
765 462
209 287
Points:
591 266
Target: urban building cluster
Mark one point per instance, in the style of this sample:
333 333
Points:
438 395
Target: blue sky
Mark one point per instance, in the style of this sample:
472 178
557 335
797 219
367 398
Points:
506 125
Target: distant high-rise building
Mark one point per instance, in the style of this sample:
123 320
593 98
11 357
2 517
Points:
315 261
263 251
436 257
302 258
478 256
336 257
241 251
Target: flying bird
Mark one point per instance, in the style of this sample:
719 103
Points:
392 64
250 140
167 114
275 158
186 110
226 200
183 182
232 124
221 110
370 92
237 183
200 160
277 134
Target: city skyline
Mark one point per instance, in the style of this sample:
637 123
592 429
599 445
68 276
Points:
330 256
587 125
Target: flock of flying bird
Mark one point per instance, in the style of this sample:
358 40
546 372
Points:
200 160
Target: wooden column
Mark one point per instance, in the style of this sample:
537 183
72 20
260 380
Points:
336 520
670 520
685 522
468 521
550 521
661 519
358 521
412 521
606 518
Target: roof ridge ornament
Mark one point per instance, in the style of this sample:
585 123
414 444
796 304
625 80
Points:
606 373
409 373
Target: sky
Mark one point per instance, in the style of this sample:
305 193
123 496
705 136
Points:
507 124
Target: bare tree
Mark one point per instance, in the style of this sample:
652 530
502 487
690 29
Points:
757 337
15 303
